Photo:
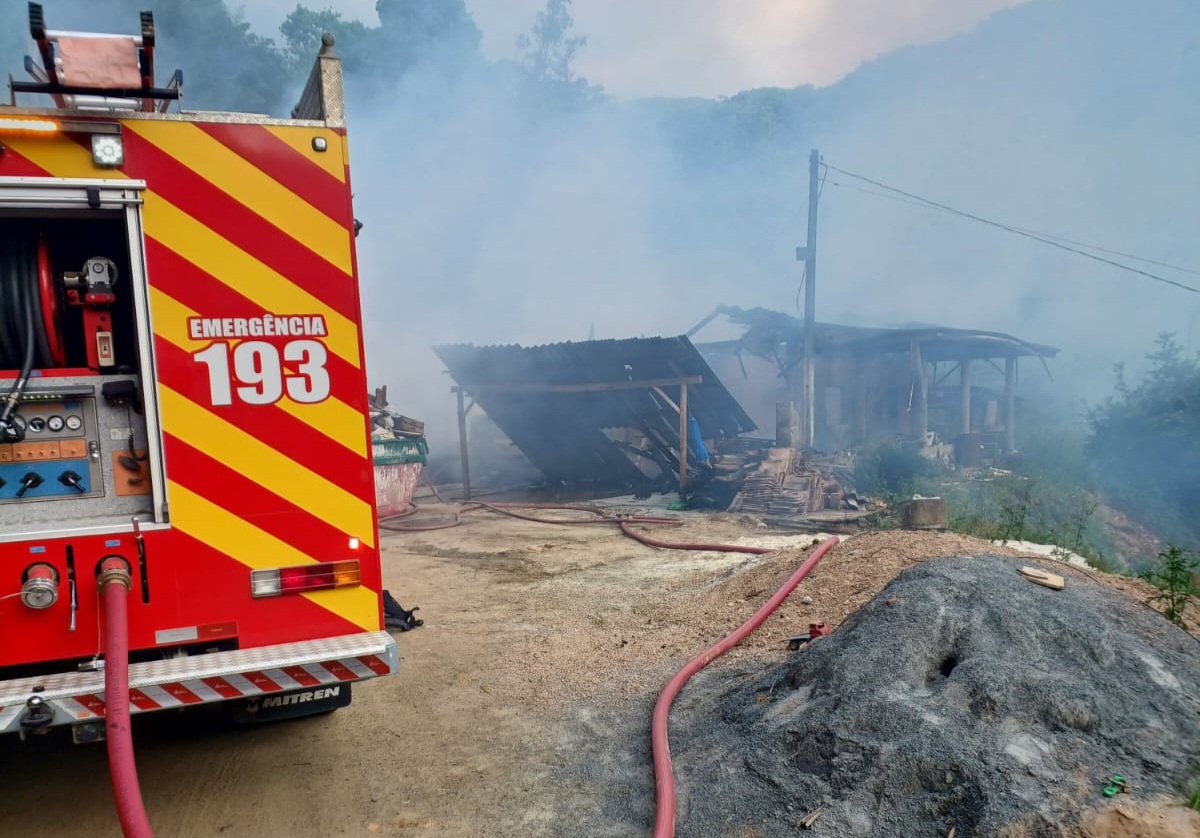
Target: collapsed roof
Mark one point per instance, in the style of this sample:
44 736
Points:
555 402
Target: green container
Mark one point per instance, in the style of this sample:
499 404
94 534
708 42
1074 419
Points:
388 452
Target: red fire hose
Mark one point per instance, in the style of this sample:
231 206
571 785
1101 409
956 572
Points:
115 582
664 780
668 545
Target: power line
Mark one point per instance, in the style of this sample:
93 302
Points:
1053 241
928 205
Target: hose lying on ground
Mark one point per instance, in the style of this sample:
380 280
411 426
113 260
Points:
603 517
664 779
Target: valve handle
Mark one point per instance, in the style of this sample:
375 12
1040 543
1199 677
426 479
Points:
30 481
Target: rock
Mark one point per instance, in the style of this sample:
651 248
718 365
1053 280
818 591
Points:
961 696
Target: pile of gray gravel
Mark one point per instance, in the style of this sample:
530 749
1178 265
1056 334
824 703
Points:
963 696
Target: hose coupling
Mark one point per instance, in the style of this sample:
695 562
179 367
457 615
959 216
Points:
114 569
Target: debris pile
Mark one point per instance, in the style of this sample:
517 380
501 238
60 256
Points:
784 485
387 423
962 698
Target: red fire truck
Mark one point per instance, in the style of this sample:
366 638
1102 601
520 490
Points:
187 511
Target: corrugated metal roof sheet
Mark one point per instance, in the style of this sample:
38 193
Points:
767 330
562 433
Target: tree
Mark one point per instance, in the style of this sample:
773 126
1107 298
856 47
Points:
548 54
1146 442
441 32
302 30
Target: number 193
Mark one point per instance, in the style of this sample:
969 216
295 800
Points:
257 376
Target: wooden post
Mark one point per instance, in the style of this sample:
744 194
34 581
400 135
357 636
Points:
1010 405
964 367
462 445
683 437
860 397
810 303
920 407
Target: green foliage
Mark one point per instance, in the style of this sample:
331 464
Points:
548 55
439 34
1175 578
1145 442
302 31
1193 801
440 31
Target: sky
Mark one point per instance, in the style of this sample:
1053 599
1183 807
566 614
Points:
642 48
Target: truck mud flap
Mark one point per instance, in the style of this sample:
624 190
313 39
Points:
293 704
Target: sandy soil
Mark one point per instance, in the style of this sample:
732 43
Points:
538 641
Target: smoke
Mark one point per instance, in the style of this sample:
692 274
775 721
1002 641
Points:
489 220
498 209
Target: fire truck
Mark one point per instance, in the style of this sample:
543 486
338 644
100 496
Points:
187 507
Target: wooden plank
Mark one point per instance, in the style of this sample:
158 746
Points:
589 387
1044 578
666 398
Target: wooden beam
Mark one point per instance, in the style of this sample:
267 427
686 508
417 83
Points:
1010 410
590 387
965 384
920 404
860 397
937 381
666 398
683 438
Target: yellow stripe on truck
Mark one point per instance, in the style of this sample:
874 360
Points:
60 157
332 417
301 139
264 465
240 540
242 273
250 186
174 228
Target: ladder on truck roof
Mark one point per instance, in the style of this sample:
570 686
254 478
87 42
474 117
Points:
83 70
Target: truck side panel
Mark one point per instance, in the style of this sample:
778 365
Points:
249 252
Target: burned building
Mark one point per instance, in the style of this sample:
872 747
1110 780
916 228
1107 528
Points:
609 414
921 383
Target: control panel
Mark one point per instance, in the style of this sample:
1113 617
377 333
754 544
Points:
83 457
60 456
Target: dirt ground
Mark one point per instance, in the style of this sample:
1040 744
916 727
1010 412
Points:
527 690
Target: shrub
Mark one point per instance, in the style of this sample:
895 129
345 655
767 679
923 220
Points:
1175 578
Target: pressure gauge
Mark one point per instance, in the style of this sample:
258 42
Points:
37 424
74 423
55 423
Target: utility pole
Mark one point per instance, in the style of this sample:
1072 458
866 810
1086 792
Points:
809 254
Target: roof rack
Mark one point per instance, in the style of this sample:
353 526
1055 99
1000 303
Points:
91 70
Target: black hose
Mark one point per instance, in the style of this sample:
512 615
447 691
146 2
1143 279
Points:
21 305
9 340
14 394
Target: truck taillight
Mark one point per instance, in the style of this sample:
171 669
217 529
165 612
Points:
305 577
39 589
